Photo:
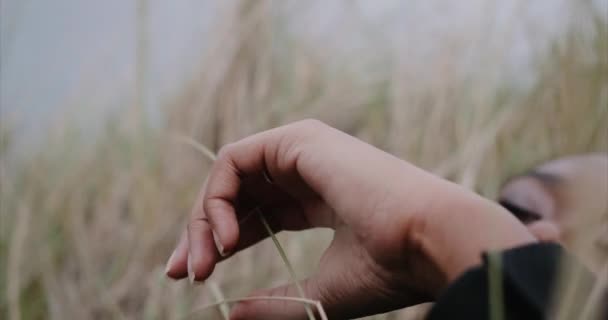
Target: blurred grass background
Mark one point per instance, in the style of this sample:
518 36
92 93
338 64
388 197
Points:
87 221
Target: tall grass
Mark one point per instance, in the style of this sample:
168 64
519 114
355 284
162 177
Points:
87 221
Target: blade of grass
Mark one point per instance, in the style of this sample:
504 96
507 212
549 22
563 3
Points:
191 142
292 272
305 301
495 286
594 302
224 310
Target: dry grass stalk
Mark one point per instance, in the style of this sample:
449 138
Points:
305 301
211 155
15 262
136 188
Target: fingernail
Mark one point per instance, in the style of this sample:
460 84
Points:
170 262
191 276
218 244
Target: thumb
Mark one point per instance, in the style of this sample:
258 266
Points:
278 309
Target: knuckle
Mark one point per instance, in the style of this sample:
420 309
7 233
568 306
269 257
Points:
311 124
190 226
225 151
321 293
306 130
211 205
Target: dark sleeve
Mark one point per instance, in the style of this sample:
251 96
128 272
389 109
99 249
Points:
528 280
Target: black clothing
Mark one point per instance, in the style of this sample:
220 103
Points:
529 275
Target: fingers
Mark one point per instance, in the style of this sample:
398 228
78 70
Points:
195 254
278 309
198 249
545 231
222 216
177 264
215 222
221 197
202 250
235 162
266 153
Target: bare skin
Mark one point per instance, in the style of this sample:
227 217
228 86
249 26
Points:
401 234
564 200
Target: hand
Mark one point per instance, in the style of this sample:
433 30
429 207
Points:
401 234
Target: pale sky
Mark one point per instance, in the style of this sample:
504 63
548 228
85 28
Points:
80 53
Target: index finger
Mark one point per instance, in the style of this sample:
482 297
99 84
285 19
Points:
235 161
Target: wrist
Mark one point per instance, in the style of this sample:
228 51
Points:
459 226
